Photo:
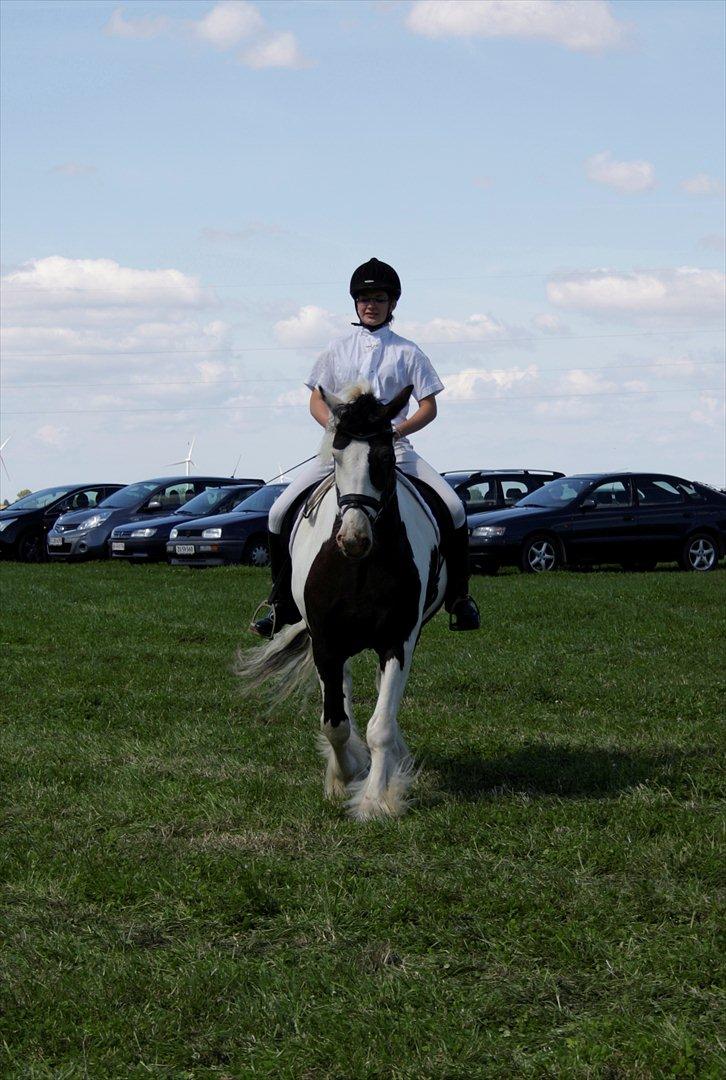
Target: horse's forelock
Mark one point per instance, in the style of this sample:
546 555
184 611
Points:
362 415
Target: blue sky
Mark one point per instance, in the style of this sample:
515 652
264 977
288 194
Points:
187 187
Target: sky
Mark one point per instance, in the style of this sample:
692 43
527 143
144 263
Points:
187 187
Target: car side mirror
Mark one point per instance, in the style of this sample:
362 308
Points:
588 504
153 505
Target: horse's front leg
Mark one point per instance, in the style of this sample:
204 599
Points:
339 742
383 792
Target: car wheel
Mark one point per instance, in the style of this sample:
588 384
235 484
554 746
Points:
540 554
700 553
257 552
30 548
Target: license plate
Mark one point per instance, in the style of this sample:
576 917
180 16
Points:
184 549
55 541
116 545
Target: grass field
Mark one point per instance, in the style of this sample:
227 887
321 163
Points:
180 901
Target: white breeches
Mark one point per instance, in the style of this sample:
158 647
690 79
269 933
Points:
406 458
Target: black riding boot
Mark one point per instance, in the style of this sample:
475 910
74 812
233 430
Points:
462 609
283 608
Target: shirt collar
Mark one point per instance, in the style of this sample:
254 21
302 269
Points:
381 333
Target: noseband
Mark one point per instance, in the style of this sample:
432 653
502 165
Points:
371 506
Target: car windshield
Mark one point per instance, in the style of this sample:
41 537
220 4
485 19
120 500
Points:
263 498
212 499
130 495
39 499
557 492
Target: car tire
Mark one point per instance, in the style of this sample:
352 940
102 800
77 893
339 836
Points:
541 554
700 553
256 552
30 548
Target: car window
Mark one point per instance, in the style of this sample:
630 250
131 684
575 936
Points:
557 492
611 494
175 495
38 499
263 498
513 491
479 496
654 491
131 494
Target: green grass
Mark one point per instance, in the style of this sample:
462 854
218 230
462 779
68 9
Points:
180 901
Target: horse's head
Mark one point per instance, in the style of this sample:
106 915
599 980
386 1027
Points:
364 462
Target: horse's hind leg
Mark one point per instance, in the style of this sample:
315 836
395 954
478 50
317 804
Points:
383 792
339 742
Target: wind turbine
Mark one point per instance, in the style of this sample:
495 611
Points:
187 460
2 459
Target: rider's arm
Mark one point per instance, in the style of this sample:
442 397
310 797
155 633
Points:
318 409
425 413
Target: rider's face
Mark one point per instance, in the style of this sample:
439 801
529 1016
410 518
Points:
372 307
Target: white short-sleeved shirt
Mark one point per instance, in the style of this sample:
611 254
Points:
387 361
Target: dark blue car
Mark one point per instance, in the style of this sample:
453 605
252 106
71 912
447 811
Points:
239 537
635 519
145 541
25 524
84 533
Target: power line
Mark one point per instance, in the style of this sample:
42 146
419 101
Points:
241 350
273 405
253 381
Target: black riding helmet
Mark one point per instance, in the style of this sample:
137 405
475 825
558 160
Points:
375 274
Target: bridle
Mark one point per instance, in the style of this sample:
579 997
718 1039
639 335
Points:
370 505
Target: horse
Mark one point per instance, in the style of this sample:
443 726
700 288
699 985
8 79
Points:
367 573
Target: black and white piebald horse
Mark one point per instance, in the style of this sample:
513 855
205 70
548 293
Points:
366 574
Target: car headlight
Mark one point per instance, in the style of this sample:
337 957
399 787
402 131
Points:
212 534
93 521
143 533
174 533
8 521
486 532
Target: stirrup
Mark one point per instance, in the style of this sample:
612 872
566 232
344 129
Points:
469 617
254 624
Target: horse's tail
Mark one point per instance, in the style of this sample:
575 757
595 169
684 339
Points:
285 663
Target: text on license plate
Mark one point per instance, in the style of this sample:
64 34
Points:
117 545
184 549
55 541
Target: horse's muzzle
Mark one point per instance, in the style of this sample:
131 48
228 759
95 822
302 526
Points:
354 537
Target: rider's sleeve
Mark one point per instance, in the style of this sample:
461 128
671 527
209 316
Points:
322 373
423 376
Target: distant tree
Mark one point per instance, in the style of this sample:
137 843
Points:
23 493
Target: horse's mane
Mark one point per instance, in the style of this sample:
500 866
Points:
360 415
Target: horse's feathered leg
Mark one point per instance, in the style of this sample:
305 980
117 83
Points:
339 742
383 792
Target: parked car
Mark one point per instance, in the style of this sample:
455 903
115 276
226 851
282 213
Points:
495 489
25 524
226 538
635 519
83 535
145 541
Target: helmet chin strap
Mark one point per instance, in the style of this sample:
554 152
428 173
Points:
378 327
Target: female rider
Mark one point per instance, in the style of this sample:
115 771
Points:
373 352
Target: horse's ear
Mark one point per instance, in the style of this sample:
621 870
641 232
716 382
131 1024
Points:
400 401
330 399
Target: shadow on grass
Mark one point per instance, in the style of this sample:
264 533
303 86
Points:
569 772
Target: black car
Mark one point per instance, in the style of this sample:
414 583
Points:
145 541
25 524
83 534
635 519
495 489
226 538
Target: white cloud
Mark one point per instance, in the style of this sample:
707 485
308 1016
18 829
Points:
480 328
472 384
645 294
580 26
74 168
630 177
141 28
277 51
550 324
702 184
51 435
311 327
228 23
710 412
